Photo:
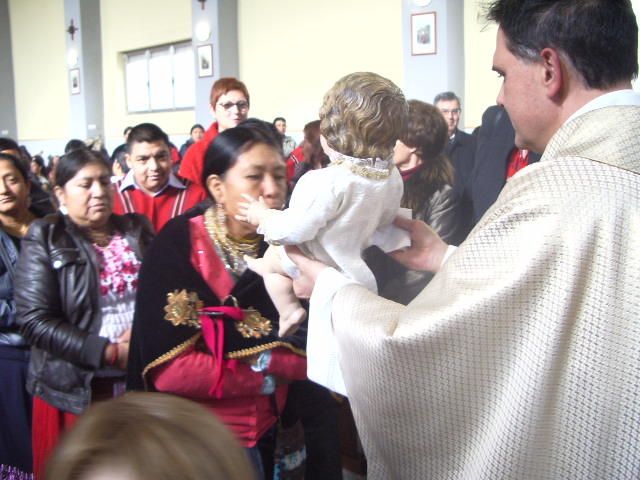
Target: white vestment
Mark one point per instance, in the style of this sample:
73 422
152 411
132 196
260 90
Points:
521 358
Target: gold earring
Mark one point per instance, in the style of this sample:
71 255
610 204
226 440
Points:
221 213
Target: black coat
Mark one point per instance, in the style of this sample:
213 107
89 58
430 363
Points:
167 268
495 143
461 152
57 299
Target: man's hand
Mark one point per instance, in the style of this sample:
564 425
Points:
309 271
427 249
252 211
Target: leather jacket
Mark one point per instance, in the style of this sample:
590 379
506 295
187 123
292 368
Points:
57 296
442 212
9 336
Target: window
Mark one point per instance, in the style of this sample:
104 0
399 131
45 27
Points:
160 78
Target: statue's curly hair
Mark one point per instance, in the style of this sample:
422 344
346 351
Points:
363 115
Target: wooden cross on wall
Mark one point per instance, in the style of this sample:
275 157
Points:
72 29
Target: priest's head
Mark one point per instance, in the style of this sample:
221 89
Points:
557 55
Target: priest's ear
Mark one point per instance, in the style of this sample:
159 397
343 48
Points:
216 189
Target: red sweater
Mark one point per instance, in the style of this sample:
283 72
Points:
159 209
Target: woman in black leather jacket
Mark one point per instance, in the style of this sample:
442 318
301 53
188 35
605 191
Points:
75 293
15 401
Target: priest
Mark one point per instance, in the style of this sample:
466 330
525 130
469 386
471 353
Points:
520 358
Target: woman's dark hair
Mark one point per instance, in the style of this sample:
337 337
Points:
74 144
16 162
427 133
38 160
7 143
74 161
317 156
598 37
224 151
197 125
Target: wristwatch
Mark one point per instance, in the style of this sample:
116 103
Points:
262 363
268 385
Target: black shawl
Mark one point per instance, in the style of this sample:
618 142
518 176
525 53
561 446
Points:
167 267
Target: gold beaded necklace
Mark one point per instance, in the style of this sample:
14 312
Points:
232 249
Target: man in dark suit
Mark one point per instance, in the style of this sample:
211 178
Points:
461 152
496 159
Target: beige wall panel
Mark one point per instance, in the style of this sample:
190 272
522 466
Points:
292 51
129 25
40 72
481 83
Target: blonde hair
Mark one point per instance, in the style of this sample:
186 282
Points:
363 115
154 436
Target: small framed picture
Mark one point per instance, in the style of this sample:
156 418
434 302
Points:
74 81
205 60
423 34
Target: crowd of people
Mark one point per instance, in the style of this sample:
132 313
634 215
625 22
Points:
472 294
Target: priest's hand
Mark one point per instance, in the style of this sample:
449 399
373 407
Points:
427 249
309 271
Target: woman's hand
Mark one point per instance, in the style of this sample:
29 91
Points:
123 355
309 271
252 211
427 249
123 349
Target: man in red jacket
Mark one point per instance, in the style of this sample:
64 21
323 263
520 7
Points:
150 188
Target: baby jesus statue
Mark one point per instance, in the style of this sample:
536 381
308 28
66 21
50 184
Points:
337 212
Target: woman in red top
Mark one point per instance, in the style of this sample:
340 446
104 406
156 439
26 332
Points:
230 104
205 328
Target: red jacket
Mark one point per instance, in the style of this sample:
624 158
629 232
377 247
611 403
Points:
193 162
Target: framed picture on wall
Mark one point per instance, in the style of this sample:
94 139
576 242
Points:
205 60
423 34
74 81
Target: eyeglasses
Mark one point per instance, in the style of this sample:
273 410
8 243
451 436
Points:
455 111
242 105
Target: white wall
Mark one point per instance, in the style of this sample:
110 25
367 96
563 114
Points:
292 51
40 72
130 25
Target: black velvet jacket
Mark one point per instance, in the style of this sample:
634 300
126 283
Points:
167 268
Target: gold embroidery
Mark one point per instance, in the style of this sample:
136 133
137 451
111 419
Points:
253 325
173 353
182 308
362 170
247 352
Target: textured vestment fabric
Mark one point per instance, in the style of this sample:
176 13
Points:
520 359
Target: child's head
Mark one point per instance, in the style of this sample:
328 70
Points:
363 115
148 436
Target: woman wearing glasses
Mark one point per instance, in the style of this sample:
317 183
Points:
230 105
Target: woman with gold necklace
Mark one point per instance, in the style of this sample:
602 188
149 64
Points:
15 218
75 292
204 327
